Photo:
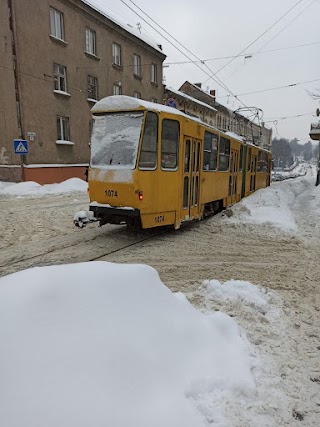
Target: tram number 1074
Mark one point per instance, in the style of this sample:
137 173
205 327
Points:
159 218
111 193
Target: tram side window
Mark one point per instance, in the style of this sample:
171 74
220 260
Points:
265 162
241 158
260 161
149 146
210 151
169 144
224 154
249 160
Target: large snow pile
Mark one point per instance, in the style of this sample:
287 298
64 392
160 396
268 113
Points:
31 188
101 344
271 205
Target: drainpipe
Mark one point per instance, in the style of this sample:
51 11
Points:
16 82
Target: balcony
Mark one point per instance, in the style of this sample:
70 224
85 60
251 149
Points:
315 131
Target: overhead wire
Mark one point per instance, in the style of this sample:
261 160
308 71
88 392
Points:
258 38
272 119
212 75
273 88
244 54
286 26
269 41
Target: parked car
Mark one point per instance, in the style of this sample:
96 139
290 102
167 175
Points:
277 177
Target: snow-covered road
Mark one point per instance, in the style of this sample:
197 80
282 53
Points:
281 255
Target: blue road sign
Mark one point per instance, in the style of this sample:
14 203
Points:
20 146
171 103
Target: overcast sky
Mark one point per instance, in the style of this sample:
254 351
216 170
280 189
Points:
216 28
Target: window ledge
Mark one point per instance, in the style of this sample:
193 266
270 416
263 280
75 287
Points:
94 101
137 76
117 67
59 41
92 56
62 93
63 142
155 84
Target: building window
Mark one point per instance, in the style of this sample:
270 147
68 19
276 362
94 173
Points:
137 95
56 24
137 65
170 136
154 100
154 74
63 132
116 54
60 78
92 87
91 41
117 90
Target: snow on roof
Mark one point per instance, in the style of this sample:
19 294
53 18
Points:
201 90
128 103
101 7
236 136
177 92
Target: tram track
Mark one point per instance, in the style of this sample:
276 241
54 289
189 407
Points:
70 249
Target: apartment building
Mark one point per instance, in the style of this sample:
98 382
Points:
228 120
189 105
57 58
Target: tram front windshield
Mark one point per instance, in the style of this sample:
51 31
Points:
115 140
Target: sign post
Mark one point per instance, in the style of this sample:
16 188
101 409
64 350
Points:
21 148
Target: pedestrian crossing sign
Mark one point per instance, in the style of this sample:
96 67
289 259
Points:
20 146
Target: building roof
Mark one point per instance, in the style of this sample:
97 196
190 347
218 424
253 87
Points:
190 98
101 7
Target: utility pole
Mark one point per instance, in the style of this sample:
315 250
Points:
315 135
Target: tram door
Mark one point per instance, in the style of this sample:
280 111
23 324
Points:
191 178
234 168
253 173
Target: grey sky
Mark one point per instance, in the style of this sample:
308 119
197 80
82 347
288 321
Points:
217 28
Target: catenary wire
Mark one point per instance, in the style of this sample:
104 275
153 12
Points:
212 75
244 54
274 88
258 38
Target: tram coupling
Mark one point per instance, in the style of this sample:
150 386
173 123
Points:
82 218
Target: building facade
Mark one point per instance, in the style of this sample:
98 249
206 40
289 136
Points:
190 105
57 58
228 120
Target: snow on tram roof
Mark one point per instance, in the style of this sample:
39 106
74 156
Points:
236 136
128 103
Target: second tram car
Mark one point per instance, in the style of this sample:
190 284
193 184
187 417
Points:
152 165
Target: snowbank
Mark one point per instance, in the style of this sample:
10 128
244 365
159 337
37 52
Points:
104 344
271 205
317 198
237 292
31 188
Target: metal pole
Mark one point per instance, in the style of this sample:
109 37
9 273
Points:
318 172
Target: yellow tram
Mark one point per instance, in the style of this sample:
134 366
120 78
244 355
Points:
152 165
